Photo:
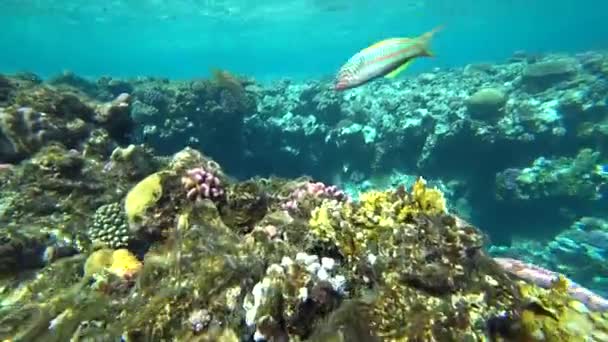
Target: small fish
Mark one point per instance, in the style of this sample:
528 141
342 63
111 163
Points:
386 58
545 278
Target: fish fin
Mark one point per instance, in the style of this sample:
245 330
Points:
380 43
425 39
397 71
428 35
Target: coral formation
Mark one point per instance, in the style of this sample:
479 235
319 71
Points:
573 177
390 265
487 104
36 114
554 316
109 227
202 183
544 74
141 197
310 194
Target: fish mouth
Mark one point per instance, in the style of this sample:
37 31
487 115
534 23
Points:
340 85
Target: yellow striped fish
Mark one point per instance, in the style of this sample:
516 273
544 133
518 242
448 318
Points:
386 58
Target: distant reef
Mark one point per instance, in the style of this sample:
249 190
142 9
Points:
106 195
499 138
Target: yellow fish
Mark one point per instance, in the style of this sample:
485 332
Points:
386 58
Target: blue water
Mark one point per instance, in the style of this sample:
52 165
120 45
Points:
272 39
518 149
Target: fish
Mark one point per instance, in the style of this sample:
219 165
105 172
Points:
545 278
386 58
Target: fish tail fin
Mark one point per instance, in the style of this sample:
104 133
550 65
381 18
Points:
425 40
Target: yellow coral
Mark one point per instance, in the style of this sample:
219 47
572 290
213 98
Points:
142 196
120 263
555 316
430 201
355 226
377 210
321 224
124 264
424 200
98 261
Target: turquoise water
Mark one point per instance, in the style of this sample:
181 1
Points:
190 194
271 39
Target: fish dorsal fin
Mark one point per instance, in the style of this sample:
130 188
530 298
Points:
384 42
397 71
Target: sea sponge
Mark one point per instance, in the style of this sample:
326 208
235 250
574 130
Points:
98 261
120 263
124 264
141 197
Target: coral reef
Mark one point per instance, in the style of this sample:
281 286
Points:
578 252
35 114
205 257
391 265
507 115
566 177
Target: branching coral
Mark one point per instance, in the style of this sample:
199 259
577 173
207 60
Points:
202 183
309 195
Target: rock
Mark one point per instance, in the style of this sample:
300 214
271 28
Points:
6 88
487 104
545 74
115 116
427 78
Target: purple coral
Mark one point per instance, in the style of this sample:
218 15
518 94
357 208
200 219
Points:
314 190
202 183
545 278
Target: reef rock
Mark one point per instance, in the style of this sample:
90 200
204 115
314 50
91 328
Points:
487 104
544 74
36 115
